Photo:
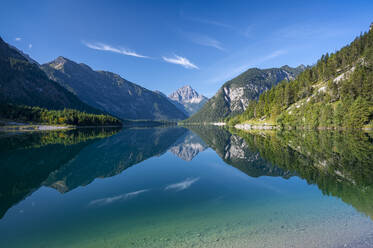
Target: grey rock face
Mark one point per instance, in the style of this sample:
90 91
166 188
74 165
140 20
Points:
234 96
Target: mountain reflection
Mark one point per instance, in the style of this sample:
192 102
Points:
339 163
236 152
111 156
28 159
188 146
65 160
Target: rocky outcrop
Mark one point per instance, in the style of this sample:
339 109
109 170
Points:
234 96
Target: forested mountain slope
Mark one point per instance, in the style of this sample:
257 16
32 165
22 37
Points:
336 92
23 82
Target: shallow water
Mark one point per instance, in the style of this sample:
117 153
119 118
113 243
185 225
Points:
174 187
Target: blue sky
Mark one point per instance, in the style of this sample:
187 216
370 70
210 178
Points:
163 45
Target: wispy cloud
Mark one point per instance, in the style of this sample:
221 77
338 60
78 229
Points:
203 40
246 32
180 61
18 39
272 55
105 47
206 21
29 46
182 185
307 31
211 22
229 74
109 200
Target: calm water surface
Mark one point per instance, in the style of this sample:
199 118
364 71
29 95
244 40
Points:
175 187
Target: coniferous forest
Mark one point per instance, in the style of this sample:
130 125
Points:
337 92
40 115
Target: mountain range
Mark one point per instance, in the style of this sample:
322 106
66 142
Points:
110 92
335 92
63 83
234 96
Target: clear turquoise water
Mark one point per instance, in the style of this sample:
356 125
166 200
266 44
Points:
168 187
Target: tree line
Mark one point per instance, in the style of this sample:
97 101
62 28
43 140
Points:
316 98
39 115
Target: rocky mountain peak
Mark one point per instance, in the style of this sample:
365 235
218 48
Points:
61 59
285 67
62 63
59 63
301 66
189 98
184 94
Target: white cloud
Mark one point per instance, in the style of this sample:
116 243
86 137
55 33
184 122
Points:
181 61
105 47
18 39
182 185
108 200
204 40
29 46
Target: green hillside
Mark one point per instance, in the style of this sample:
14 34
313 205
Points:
336 92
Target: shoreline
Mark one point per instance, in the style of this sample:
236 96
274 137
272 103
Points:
43 127
255 127
265 126
32 127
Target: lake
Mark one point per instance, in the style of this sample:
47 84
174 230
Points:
179 187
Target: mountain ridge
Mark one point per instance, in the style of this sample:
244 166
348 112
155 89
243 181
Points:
22 82
110 92
233 96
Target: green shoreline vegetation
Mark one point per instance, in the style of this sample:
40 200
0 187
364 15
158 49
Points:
69 117
335 93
